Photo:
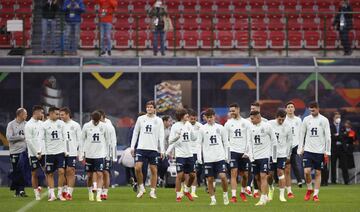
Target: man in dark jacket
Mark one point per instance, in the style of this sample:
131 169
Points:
73 10
157 15
343 23
48 25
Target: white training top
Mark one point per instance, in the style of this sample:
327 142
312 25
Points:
182 135
111 149
72 137
53 133
315 131
284 138
150 131
295 125
195 146
236 130
35 145
261 142
96 140
214 143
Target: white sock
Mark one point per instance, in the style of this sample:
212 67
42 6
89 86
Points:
225 194
193 189
256 191
152 190
60 190
142 188
214 183
248 188
186 189
105 191
288 189
282 191
98 193
36 191
263 198
316 192
52 192
178 194
90 189
213 198
309 186
94 185
70 190
65 188
242 189
233 192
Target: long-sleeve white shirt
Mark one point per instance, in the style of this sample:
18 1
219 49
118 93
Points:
195 146
53 133
214 143
150 131
295 125
182 136
111 150
261 141
284 138
315 131
96 140
34 143
72 137
236 130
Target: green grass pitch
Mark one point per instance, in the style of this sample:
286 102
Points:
332 198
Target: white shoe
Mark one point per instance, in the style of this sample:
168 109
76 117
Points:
193 194
213 202
51 199
282 199
37 197
61 198
98 199
140 194
226 199
91 196
260 203
153 195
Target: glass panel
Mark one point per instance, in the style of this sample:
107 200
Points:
278 88
53 89
117 95
10 93
218 90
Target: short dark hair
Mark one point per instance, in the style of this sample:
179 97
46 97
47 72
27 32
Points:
281 113
165 118
102 113
289 103
19 111
53 109
151 102
313 104
36 108
66 110
257 104
209 112
192 112
180 113
96 116
234 105
254 113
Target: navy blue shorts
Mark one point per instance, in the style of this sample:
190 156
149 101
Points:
238 162
313 160
152 157
35 163
70 161
54 162
280 164
108 165
94 165
186 165
215 168
260 165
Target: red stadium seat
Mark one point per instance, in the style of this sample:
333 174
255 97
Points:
309 24
223 24
170 39
258 24
277 39
191 39
122 39
259 39
242 39
274 13
290 3
22 38
331 40
356 38
312 39
308 13
207 39
295 39
306 3
207 24
241 24
274 4
256 3
87 39
88 25
225 39
5 41
293 24
224 7
141 22
258 13
122 24
275 24
140 39
190 24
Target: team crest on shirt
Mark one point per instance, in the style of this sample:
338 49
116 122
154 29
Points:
58 126
72 128
262 130
101 129
218 131
243 125
207 132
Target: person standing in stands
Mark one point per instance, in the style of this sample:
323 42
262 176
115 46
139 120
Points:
343 23
106 10
48 25
157 15
73 10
